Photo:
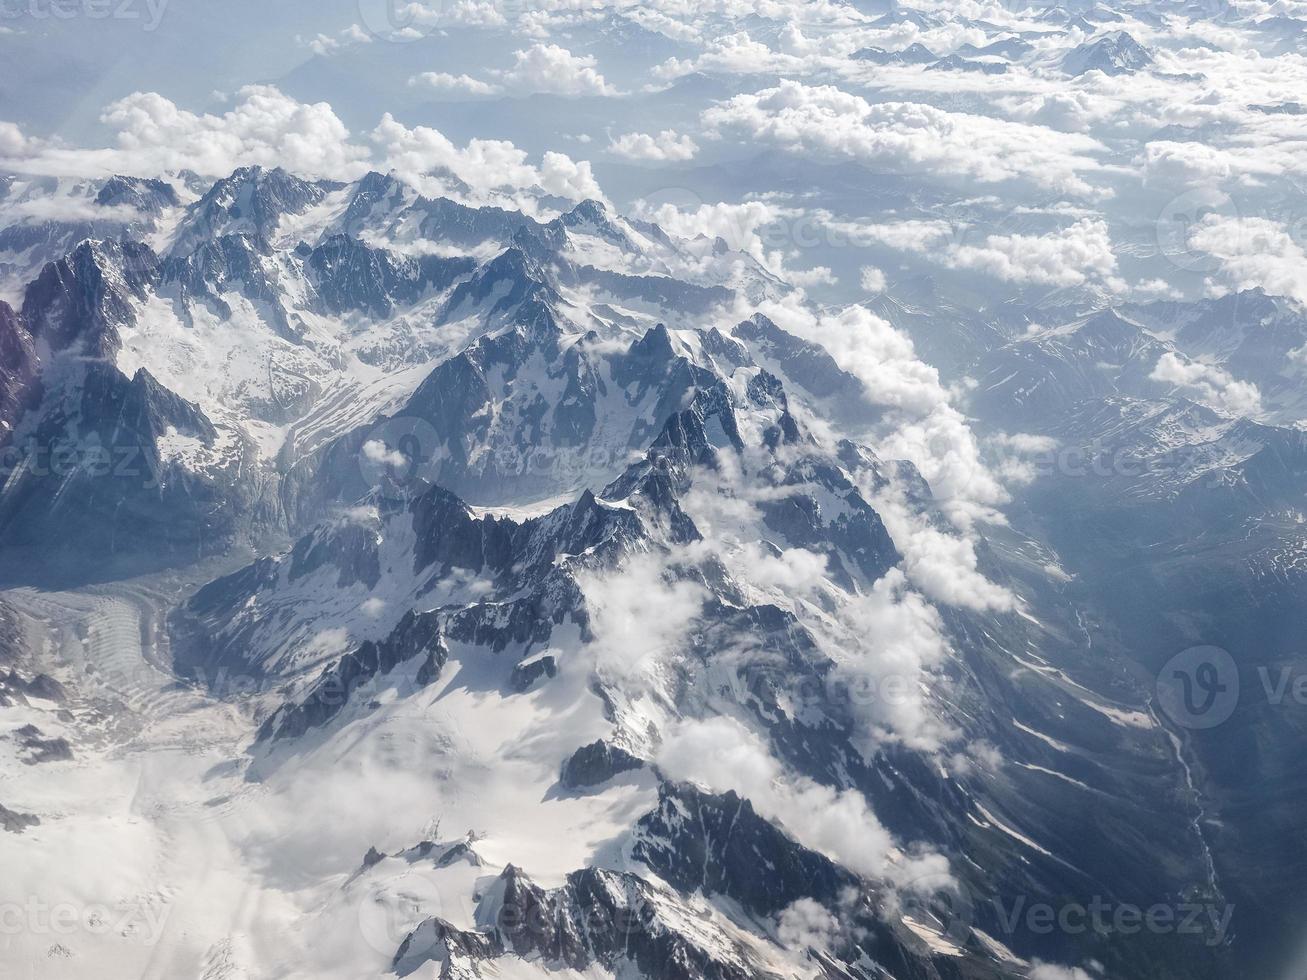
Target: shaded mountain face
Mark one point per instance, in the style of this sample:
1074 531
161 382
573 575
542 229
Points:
1183 524
553 540
1116 53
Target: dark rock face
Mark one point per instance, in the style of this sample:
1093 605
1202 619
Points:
351 276
15 690
240 262
526 675
18 371
598 918
415 635
349 547
720 845
596 763
86 295
805 364
40 749
381 201
99 447
16 823
145 195
251 200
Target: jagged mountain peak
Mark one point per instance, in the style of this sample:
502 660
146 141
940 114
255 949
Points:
146 195
87 295
252 200
1114 53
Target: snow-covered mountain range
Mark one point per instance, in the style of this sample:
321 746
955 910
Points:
580 562
762 553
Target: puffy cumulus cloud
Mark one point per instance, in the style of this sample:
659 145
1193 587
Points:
553 70
1050 971
1019 455
720 755
871 279
736 224
638 614
487 166
467 13
884 644
733 54
264 127
1179 165
882 357
1072 112
823 119
1254 253
324 45
912 235
13 143
152 135
445 83
662 23
1214 386
1069 257
818 275
806 924
924 427
666 146
411 20
944 566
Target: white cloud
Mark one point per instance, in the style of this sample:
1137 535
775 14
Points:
1069 257
818 275
328 44
823 119
1179 165
12 141
638 615
735 224
445 83
69 208
805 924
553 70
912 235
155 136
1214 386
871 279
1254 253
888 641
375 451
883 643
1073 111
1049 971
719 754
924 426
485 165
732 54
666 146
